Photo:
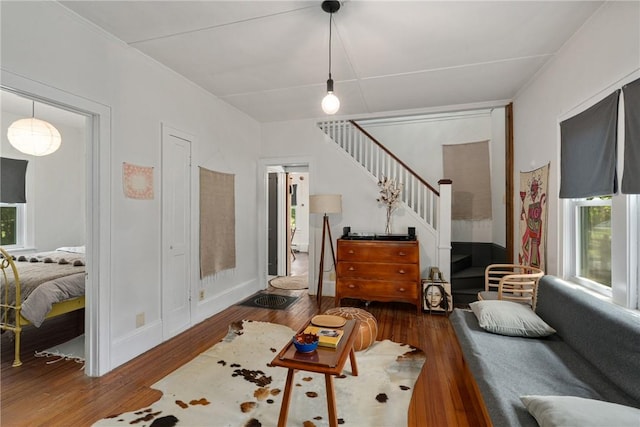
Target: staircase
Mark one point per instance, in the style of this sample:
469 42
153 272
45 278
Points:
468 262
431 206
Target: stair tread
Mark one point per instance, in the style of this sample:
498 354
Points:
459 257
469 273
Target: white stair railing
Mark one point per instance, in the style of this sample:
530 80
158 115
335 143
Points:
431 205
418 195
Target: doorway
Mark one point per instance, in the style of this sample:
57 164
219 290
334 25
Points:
56 215
287 220
97 137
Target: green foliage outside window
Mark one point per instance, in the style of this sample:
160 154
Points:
8 225
595 243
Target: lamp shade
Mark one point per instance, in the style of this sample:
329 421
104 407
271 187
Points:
325 203
34 136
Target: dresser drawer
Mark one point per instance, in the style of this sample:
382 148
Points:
380 271
400 252
378 290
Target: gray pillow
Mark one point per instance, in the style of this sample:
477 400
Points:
510 318
570 411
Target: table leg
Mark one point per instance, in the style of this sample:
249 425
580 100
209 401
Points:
286 398
354 366
331 401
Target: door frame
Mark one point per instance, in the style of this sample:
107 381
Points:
263 209
98 222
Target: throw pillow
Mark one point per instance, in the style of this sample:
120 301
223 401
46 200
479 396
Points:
570 411
510 318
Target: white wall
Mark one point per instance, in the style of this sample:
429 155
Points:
55 189
45 43
602 54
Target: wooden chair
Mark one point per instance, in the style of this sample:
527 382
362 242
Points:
511 282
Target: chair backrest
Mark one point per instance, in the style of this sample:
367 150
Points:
513 282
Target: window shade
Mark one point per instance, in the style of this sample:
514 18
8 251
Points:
588 151
631 173
13 174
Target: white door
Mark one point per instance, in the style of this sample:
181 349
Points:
176 214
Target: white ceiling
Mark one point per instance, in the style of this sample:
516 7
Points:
270 58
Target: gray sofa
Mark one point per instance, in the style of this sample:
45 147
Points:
594 354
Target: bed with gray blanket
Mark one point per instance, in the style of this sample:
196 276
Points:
48 284
594 354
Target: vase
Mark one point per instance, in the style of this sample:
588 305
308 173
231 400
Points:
387 228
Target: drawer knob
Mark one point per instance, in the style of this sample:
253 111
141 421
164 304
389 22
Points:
352 268
401 271
351 252
402 289
402 253
352 286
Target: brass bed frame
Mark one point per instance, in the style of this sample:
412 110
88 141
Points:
7 306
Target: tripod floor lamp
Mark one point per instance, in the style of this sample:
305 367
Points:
325 204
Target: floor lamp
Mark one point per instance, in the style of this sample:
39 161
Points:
325 204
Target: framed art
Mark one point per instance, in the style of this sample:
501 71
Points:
436 294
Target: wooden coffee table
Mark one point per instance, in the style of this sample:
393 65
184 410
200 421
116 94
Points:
327 361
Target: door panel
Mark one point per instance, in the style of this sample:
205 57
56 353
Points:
176 202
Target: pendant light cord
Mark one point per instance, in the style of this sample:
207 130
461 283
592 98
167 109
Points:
330 19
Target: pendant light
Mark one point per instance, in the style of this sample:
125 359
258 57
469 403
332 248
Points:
330 103
34 136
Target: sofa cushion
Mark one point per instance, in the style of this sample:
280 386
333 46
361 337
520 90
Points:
509 318
605 334
571 411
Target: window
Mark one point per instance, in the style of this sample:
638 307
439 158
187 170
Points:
12 225
600 235
593 240
600 247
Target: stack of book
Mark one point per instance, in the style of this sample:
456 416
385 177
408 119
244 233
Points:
326 337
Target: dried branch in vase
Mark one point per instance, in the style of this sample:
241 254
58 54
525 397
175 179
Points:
390 191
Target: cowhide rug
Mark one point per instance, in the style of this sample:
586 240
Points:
233 384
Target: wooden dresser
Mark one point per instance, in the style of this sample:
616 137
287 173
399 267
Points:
378 270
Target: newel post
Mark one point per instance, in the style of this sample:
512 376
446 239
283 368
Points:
444 228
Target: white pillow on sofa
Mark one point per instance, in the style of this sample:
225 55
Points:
570 411
510 318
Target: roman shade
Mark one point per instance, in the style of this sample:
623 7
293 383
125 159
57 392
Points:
13 174
588 151
631 173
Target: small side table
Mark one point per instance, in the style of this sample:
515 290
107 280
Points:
327 361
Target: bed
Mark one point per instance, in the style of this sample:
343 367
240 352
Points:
39 286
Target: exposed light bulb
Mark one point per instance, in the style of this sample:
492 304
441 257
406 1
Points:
330 103
34 136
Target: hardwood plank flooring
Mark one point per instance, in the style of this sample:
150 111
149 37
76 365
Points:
59 394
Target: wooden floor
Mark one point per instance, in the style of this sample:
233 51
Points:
38 394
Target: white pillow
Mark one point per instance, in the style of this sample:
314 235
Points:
510 318
570 411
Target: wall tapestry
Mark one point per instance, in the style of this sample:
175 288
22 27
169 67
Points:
533 217
217 222
467 165
137 181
